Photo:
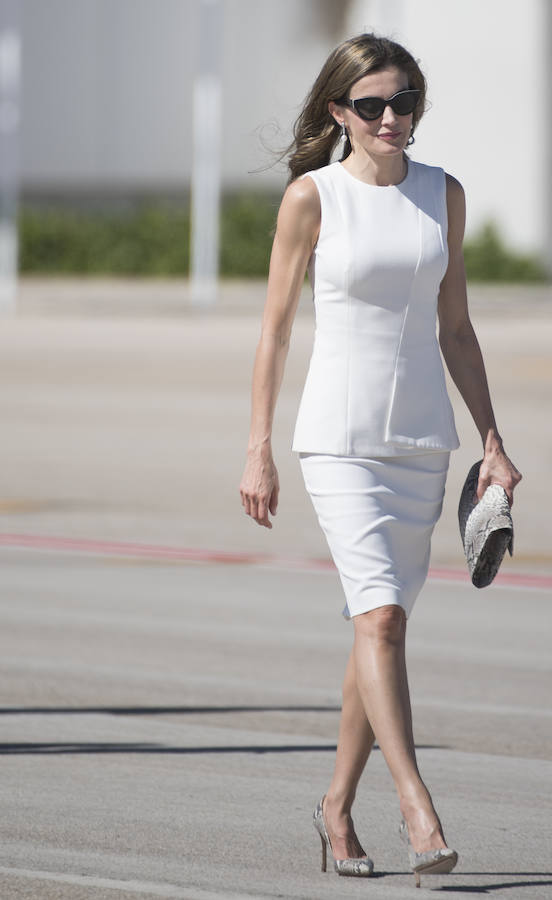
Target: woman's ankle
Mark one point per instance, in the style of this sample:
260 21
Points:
339 803
424 827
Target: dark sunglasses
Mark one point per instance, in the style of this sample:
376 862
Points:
402 103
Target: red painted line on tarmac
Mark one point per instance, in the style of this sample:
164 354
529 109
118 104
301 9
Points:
200 554
512 579
156 551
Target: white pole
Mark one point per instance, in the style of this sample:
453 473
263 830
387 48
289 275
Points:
546 50
10 70
206 157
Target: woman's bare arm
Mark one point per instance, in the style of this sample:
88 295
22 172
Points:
463 355
296 234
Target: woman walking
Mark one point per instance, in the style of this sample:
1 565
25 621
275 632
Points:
381 236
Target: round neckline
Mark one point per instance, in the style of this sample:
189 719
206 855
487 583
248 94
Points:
378 187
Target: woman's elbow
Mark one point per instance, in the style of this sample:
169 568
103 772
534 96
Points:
458 340
276 337
457 329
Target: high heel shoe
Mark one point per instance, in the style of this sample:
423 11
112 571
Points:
360 867
430 862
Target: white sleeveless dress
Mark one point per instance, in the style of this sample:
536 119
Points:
375 426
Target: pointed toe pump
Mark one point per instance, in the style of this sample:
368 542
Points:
359 867
431 862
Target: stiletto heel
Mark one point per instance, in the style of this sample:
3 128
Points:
323 866
430 862
360 867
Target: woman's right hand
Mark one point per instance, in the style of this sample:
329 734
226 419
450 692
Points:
259 487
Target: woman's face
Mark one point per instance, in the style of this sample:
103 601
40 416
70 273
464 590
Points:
387 135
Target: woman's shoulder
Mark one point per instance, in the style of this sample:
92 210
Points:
304 192
436 172
300 204
318 177
424 170
454 187
441 178
456 200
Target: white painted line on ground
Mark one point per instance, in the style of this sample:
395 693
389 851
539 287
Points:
131 887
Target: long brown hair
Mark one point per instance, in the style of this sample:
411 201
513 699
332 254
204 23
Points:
316 132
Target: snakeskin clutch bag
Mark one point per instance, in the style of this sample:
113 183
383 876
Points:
486 528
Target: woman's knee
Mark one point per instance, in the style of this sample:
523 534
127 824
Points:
383 624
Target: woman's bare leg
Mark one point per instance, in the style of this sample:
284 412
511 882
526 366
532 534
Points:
379 656
375 693
353 748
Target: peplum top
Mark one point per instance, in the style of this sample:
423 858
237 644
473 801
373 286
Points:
376 384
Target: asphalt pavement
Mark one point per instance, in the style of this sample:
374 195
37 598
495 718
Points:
171 672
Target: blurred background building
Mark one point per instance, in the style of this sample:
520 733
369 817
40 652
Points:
107 98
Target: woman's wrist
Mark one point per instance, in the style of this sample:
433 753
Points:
259 447
492 441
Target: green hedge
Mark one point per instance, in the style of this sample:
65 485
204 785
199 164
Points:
488 259
151 240
247 228
154 240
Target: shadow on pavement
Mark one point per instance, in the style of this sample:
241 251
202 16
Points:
72 747
498 886
158 710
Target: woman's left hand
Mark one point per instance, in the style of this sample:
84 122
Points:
497 468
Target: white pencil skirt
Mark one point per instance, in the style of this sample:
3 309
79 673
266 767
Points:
378 516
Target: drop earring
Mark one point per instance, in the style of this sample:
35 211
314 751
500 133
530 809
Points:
411 139
343 136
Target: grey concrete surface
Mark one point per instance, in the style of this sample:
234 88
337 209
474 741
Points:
167 726
126 416
167 730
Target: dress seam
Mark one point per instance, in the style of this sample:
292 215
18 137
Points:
346 286
387 433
